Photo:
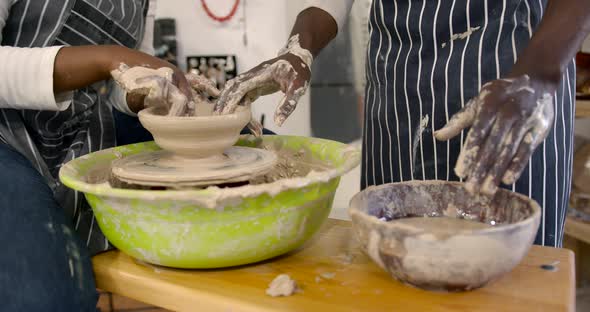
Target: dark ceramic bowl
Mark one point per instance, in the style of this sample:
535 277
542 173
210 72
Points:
451 260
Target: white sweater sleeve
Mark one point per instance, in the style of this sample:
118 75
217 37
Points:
118 96
339 9
26 81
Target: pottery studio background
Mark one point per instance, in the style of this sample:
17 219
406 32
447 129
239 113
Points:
254 34
188 36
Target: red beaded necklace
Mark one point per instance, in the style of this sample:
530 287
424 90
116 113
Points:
221 19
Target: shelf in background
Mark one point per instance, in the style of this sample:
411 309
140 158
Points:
578 229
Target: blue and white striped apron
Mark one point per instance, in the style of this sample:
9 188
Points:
417 68
49 139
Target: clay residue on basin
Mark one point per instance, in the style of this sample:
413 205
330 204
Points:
441 225
290 164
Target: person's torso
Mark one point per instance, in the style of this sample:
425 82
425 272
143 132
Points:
425 61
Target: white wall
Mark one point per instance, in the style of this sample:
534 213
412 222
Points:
267 25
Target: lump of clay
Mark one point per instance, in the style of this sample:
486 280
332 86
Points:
282 285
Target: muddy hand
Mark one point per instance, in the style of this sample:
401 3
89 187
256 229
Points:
202 85
161 87
508 119
290 72
202 90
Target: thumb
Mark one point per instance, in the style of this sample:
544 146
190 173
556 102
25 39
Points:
461 120
177 101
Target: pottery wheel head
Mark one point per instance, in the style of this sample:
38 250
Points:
162 168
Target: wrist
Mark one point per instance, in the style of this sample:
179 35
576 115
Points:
293 47
316 28
543 69
110 58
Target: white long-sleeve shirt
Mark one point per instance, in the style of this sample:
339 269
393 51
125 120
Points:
26 74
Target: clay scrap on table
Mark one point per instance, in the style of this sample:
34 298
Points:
282 285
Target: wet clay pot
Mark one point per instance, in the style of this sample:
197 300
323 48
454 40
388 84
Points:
456 260
195 137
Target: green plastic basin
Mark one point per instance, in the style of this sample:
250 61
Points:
214 227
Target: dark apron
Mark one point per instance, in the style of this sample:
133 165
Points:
49 139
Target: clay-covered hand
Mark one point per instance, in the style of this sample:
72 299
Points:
290 73
202 90
157 87
509 119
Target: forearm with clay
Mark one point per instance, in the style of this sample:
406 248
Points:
290 71
141 74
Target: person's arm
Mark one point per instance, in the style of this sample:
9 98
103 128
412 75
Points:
119 99
42 78
27 74
77 67
290 72
34 78
512 116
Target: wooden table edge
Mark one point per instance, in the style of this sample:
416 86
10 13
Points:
111 279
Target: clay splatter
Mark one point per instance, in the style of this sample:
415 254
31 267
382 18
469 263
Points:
282 285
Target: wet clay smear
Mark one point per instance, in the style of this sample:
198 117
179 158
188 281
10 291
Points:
289 165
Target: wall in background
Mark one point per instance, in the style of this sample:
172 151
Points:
256 33
586 45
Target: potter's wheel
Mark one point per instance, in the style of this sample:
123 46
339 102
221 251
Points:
162 168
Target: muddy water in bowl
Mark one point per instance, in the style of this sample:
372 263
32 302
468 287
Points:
442 224
436 236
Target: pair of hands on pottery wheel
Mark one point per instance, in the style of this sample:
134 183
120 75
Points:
168 88
164 87
508 119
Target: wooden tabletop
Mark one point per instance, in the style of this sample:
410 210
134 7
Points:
357 283
582 108
578 229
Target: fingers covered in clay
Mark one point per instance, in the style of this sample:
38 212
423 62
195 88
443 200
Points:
201 84
461 120
290 73
530 141
255 127
499 165
471 150
246 84
158 85
130 78
509 119
488 155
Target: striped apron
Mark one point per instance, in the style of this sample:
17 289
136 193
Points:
50 139
426 60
